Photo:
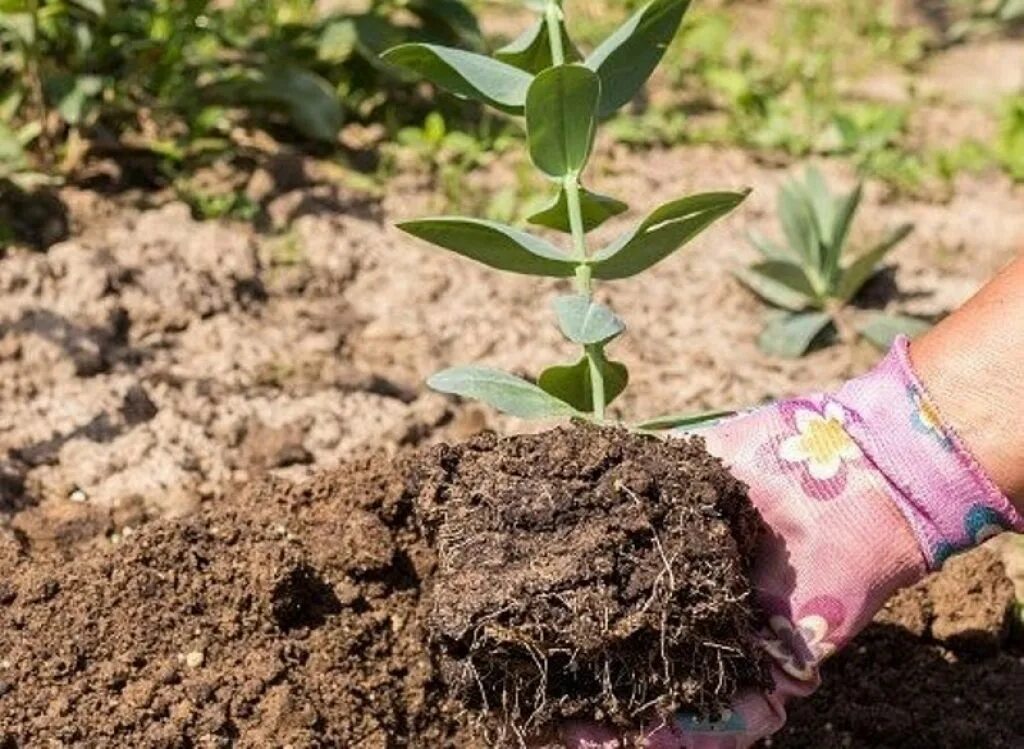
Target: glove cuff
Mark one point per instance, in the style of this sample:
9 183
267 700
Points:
945 495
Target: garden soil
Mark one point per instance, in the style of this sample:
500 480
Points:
151 365
300 615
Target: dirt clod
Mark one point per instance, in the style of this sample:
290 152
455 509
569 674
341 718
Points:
590 572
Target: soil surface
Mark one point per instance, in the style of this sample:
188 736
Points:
284 616
296 615
591 573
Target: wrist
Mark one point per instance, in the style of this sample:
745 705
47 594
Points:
943 491
972 364
979 404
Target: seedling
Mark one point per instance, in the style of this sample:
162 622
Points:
562 94
809 279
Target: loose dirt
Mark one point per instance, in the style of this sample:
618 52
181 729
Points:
590 572
296 615
285 616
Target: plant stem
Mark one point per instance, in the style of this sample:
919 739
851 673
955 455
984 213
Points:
571 185
595 358
554 24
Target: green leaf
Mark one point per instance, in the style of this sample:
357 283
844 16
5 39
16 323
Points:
561 118
882 329
779 282
626 59
96 7
12 153
769 249
505 392
311 102
846 209
584 321
799 224
338 42
571 383
29 132
465 74
72 94
854 276
20 25
493 244
820 199
531 50
790 334
680 420
663 232
596 209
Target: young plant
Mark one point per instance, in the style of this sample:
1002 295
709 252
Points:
810 279
562 94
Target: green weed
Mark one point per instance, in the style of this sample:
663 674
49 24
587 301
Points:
810 279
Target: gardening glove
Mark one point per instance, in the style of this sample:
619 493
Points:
863 492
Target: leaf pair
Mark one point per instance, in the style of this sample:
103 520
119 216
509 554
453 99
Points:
560 390
593 326
623 62
531 50
664 231
561 120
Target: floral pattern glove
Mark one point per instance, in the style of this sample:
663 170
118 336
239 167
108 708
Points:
864 491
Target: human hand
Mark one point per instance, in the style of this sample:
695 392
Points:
863 492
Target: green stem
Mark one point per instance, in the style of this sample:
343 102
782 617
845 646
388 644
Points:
571 185
595 358
553 15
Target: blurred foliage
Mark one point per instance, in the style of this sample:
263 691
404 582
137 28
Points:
812 278
1010 146
172 86
984 17
182 79
787 95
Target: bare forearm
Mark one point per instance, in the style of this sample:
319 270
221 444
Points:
973 365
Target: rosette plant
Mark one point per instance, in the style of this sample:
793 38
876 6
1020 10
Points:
563 95
813 279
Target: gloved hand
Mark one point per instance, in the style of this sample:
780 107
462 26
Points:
864 491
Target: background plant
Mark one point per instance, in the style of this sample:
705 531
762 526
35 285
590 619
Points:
562 94
177 78
810 278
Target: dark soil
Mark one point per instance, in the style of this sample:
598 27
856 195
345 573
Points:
938 669
590 572
288 615
295 614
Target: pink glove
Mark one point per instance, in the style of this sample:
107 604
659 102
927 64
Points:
864 491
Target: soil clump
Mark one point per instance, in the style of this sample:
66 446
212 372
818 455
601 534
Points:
590 571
